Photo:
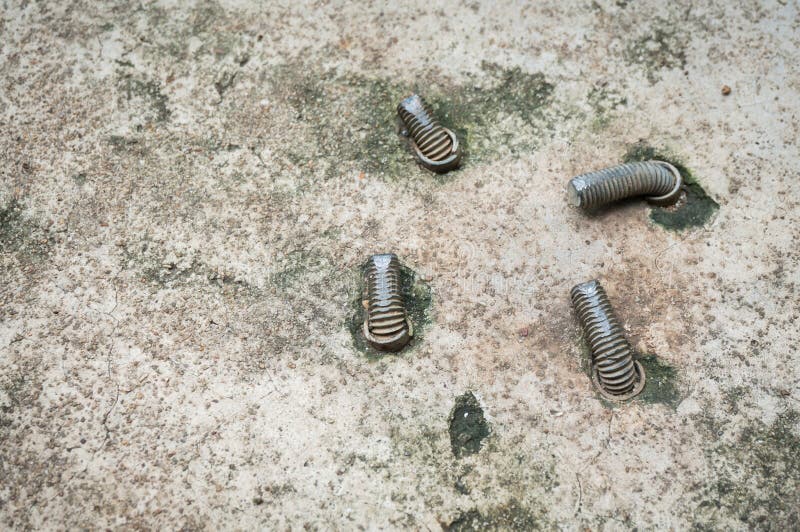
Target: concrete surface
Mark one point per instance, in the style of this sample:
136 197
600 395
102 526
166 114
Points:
187 191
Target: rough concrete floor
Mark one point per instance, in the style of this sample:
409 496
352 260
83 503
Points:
189 190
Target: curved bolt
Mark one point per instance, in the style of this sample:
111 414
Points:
435 146
614 372
386 324
658 180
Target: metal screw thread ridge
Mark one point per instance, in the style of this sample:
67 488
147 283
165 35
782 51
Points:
658 180
615 371
386 324
436 146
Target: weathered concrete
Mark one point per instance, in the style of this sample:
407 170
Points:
187 193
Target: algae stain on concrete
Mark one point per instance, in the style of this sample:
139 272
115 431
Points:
12 228
661 384
605 101
352 119
201 21
661 48
756 479
695 209
150 260
348 120
509 516
21 235
147 94
468 426
17 389
303 270
121 144
507 117
418 298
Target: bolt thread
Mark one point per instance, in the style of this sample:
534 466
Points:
651 178
386 320
431 138
612 355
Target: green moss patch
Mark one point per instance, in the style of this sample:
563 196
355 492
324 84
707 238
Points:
468 426
418 299
695 209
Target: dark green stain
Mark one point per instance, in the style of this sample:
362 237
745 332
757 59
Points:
174 32
168 275
510 516
756 478
302 270
148 258
468 427
467 521
661 385
695 209
224 82
19 387
120 143
21 235
661 382
661 48
732 396
149 92
12 228
479 112
418 299
352 119
605 102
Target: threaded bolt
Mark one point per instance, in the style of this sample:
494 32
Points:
658 180
435 146
386 324
614 372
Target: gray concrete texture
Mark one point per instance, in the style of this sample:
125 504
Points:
189 190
